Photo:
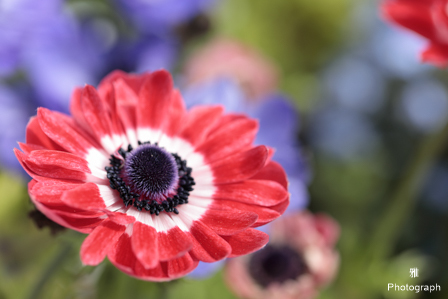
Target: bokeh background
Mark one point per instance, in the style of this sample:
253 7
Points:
372 130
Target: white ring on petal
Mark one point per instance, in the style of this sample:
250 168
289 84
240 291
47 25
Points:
132 138
147 134
203 191
97 172
180 224
199 202
192 211
109 196
108 144
163 222
145 217
96 158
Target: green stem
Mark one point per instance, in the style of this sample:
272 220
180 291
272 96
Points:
50 270
163 288
402 201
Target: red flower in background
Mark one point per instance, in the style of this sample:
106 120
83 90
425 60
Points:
429 18
156 187
298 261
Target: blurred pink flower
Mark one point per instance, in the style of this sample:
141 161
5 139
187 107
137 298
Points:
298 260
229 58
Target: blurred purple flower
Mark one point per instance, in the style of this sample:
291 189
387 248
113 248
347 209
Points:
20 22
13 110
159 17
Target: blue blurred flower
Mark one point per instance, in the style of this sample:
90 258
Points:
355 84
51 47
343 134
424 104
279 126
21 21
14 115
436 188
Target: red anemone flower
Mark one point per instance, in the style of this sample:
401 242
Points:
428 18
157 188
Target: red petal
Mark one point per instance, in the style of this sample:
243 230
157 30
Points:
124 259
100 241
154 100
133 81
126 102
95 112
223 143
120 218
87 197
265 215
70 212
76 109
328 228
21 157
181 266
56 127
56 164
247 241
35 135
81 224
122 255
173 244
225 222
28 148
413 15
436 54
207 245
273 171
84 225
158 273
144 243
50 191
281 207
257 192
240 166
199 122
175 115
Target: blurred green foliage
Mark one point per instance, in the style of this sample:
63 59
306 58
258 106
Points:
298 35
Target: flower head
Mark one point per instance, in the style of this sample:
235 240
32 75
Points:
298 260
427 18
157 188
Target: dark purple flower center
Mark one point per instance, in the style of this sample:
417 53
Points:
151 171
150 178
276 264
